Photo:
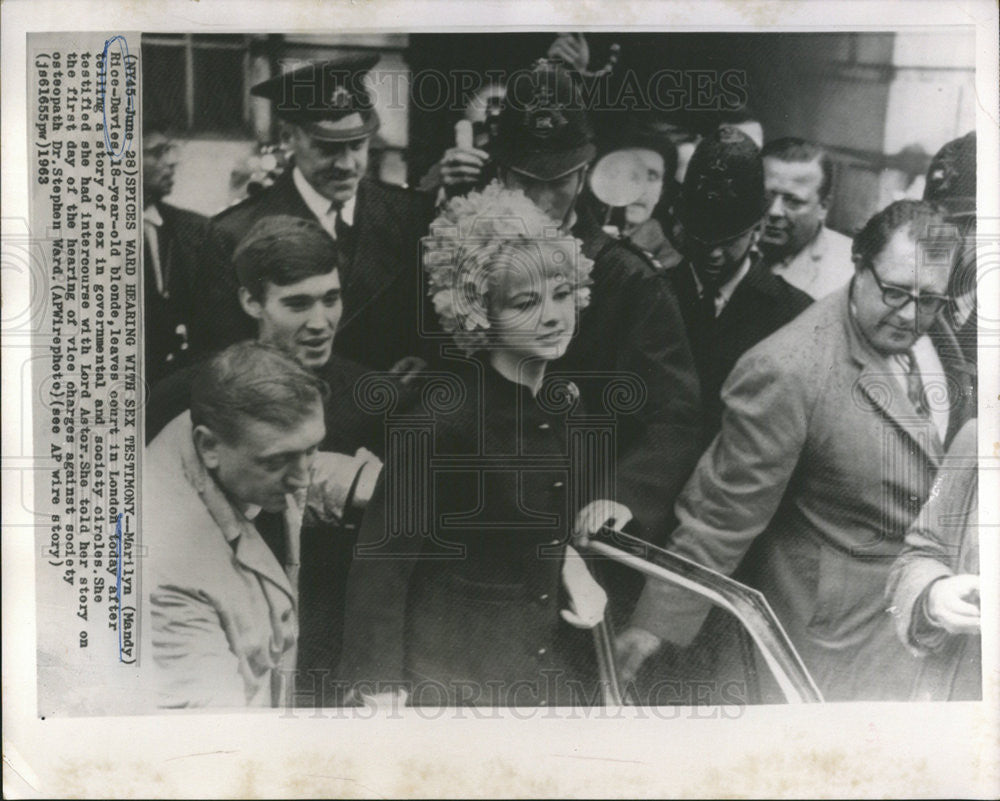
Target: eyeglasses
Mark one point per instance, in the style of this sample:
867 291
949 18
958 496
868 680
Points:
895 297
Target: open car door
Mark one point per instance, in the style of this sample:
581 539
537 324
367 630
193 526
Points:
748 606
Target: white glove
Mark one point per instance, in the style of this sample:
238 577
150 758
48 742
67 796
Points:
595 514
587 598
333 475
368 478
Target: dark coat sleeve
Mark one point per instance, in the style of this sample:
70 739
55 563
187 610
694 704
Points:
658 446
169 398
375 609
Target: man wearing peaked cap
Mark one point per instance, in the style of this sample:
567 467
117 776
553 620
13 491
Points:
328 118
729 300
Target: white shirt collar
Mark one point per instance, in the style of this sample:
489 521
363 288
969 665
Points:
151 214
815 249
321 206
725 292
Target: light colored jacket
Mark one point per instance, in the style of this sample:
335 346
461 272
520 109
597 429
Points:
223 611
943 541
823 266
822 463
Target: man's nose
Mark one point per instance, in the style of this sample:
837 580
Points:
317 318
908 312
298 474
343 158
776 208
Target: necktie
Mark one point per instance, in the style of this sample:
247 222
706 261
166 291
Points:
271 527
281 531
915 385
708 306
345 234
153 258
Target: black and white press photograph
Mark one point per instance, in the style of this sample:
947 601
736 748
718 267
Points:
560 369
546 377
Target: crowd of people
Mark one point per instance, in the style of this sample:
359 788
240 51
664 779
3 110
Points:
384 424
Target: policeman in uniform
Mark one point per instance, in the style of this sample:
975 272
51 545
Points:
730 301
328 120
951 183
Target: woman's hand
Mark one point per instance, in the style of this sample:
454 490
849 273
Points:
587 598
571 48
595 515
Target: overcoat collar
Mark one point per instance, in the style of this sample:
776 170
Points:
248 546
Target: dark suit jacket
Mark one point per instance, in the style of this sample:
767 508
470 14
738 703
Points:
185 250
761 304
382 287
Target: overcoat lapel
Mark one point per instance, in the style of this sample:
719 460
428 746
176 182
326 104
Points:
883 391
250 549
374 267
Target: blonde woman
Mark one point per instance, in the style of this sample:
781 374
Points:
481 610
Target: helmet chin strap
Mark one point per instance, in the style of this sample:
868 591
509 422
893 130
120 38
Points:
569 217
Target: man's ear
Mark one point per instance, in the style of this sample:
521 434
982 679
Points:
250 305
286 132
824 207
206 442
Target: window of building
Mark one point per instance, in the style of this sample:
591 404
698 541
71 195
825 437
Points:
197 82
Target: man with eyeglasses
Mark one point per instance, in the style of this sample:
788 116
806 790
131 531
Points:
729 301
833 431
328 118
